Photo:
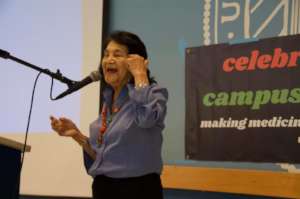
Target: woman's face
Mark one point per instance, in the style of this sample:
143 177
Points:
114 65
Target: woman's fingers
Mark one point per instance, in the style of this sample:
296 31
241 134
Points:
134 59
63 126
53 121
137 64
56 125
66 121
69 124
146 62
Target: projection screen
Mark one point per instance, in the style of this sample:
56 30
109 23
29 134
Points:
53 34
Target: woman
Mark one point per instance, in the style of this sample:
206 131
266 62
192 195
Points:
123 151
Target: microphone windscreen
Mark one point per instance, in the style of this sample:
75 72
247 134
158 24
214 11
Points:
95 75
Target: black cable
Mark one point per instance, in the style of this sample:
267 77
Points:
17 185
28 120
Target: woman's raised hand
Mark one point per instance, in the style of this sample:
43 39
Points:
64 126
137 65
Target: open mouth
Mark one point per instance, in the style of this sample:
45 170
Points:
111 70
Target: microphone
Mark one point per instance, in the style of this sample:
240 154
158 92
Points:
93 77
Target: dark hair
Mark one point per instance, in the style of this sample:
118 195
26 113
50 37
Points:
130 40
134 45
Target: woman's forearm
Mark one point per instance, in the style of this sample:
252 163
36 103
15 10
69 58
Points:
82 140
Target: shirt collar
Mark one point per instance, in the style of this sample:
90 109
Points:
108 94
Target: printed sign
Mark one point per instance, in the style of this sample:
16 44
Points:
243 101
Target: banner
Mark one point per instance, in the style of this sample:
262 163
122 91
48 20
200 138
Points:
243 101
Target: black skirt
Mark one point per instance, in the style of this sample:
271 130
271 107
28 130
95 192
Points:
142 187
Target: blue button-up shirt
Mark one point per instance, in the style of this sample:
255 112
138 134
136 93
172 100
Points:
133 139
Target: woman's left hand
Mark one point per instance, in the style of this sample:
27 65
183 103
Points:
137 65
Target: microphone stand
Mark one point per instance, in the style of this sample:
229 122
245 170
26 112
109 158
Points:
57 75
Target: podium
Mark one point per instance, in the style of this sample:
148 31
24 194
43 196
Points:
10 167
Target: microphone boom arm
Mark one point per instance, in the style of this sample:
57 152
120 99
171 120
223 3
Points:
57 75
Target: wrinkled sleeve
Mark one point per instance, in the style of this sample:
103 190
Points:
88 161
149 105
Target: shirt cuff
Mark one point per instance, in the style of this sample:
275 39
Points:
139 95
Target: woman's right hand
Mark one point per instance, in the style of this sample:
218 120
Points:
64 126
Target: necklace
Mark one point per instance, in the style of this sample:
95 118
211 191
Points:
104 121
104 114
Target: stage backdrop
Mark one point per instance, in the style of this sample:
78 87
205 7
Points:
242 101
